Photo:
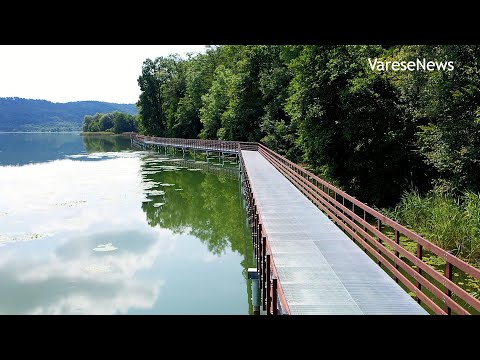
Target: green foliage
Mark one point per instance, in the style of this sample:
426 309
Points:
452 223
214 105
445 107
350 120
116 122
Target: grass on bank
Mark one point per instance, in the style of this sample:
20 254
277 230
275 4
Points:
449 222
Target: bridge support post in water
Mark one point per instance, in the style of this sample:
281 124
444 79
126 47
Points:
253 275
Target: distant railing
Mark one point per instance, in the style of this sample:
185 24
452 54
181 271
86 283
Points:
355 218
196 144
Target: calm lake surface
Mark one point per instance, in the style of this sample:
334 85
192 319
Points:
89 225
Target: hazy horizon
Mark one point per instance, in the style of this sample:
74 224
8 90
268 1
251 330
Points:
64 102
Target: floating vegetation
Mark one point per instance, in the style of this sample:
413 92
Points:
70 203
22 237
150 184
155 160
155 192
105 247
178 189
165 184
169 167
173 160
194 169
158 204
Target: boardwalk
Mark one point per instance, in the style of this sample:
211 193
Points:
306 261
320 270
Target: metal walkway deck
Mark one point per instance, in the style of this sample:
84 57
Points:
320 270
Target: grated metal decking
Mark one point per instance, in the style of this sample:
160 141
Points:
320 269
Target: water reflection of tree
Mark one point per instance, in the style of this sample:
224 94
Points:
99 143
209 207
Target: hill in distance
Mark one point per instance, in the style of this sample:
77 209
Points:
18 114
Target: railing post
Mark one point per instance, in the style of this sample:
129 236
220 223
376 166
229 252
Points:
379 228
259 244
260 260
264 274
449 276
420 257
274 296
353 219
268 285
365 228
397 254
255 235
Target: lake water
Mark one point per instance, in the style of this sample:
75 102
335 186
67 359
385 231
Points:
92 226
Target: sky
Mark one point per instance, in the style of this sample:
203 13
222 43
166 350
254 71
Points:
63 73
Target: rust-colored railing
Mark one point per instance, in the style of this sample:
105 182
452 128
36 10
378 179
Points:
271 292
355 218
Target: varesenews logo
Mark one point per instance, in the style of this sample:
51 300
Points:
419 65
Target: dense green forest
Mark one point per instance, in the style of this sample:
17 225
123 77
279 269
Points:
374 133
18 114
116 122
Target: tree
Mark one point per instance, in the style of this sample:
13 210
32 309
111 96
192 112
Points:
446 107
351 123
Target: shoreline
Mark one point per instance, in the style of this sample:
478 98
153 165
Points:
103 133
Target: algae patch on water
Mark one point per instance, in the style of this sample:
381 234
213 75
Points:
71 203
155 192
22 237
